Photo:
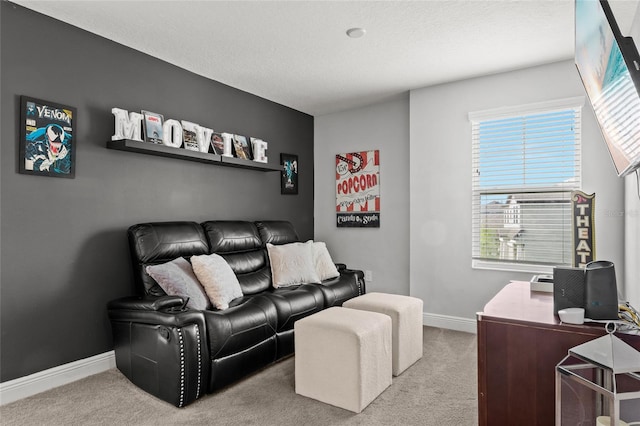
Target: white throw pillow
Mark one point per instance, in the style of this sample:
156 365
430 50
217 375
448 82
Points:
292 264
218 279
325 268
176 278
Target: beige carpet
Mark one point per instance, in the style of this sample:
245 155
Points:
440 389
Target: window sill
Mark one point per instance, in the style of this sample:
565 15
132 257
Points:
511 267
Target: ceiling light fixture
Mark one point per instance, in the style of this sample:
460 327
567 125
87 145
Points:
356 32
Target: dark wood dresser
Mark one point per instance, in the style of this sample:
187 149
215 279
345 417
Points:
520 342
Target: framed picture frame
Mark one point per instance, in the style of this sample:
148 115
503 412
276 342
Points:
358 189
47 138
242 148
189 136
289 175
153 126
217 143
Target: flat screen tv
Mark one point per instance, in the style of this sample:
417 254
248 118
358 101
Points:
609 67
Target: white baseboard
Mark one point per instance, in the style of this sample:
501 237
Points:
449 322
32 384
24 387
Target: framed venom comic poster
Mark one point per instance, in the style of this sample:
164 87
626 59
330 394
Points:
47 138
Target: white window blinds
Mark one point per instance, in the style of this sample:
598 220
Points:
526 162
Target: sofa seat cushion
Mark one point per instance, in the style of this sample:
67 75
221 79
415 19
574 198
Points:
293 303
276 232
239 243
247 322
338 290
160 242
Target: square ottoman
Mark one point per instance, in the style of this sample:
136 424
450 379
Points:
406 320
343 357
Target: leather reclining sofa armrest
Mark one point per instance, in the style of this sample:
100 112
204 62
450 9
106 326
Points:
165 310
357 274
156 335
146 303
166 318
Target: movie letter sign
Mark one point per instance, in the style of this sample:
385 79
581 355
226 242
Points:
584 233
358 189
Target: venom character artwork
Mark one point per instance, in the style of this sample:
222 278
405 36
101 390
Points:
47 139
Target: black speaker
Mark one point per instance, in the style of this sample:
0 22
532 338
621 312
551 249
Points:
568 288
601 291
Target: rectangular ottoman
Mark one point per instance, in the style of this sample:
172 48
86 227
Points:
406 320
343 357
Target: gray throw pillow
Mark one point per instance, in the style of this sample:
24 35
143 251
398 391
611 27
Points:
177 279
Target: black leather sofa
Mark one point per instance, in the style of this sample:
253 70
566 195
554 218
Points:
179 354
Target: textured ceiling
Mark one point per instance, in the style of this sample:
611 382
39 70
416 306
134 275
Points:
296 53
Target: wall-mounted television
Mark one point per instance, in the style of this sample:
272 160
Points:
609 67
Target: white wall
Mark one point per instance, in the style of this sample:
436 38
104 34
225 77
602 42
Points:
425 174
440 176
384 251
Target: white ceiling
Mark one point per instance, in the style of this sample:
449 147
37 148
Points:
296 53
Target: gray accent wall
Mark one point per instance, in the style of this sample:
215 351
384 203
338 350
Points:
64 251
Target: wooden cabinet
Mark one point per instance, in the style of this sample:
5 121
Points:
520 341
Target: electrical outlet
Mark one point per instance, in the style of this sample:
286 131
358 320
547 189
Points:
368 276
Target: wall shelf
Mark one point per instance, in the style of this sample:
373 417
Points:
184 154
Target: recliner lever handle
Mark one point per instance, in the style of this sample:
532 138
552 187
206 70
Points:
165 333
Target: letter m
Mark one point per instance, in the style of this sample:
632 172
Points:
128 124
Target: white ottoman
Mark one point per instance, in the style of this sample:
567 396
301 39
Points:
406 319
343 357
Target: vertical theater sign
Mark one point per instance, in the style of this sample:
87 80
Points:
583 218
358 189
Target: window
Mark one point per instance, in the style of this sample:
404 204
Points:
526 162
